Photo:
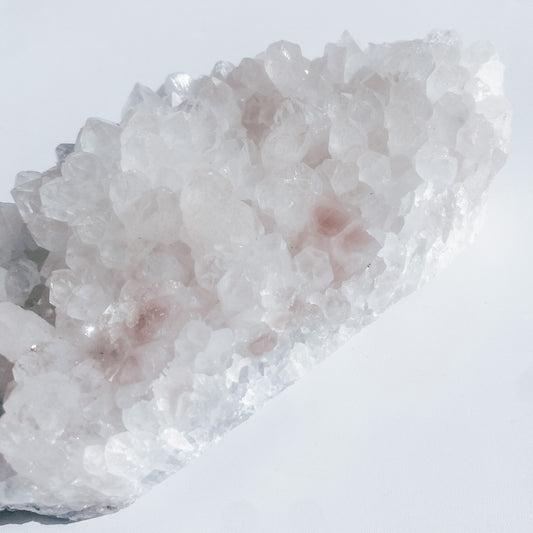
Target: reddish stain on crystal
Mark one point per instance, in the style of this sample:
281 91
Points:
330 220
149 322
264 343
355 239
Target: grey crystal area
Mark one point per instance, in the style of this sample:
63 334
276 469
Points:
174 271
20 257
6 377
63 150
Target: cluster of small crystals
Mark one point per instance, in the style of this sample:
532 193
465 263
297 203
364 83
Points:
175 270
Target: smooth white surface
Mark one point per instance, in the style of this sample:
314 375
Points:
424 422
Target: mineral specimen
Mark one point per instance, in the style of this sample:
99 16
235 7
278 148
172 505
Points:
172 272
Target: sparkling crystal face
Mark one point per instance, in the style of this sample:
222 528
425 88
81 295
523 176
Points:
172 272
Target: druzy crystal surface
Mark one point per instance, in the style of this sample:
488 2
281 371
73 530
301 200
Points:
172 272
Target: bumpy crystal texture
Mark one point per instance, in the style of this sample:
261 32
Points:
172 272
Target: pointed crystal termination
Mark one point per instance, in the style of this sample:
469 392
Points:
174 271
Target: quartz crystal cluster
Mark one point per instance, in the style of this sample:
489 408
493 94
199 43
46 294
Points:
175 270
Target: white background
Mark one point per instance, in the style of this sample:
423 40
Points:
424 422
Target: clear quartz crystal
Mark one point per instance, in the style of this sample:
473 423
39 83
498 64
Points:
174 271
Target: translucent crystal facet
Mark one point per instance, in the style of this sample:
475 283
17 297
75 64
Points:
174 271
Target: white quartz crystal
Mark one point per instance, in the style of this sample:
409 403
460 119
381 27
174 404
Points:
172 272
